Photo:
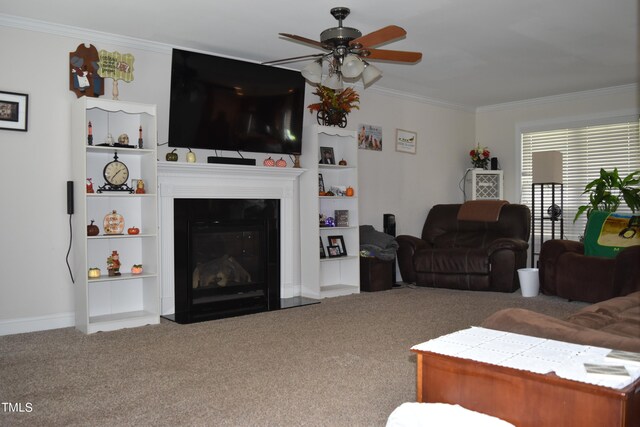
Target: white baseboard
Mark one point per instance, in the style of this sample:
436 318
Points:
40 323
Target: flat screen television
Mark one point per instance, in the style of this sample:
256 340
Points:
225 104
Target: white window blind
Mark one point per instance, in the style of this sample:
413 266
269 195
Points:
584 151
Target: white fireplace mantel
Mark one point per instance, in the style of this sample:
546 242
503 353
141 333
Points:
215 181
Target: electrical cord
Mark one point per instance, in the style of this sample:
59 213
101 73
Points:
69 250
461 185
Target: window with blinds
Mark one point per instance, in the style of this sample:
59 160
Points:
584 151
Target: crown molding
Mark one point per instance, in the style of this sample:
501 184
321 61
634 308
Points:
572 96
86 34
421 99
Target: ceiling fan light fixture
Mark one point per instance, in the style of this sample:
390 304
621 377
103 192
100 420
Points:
352 66
333 81
313 72
370 73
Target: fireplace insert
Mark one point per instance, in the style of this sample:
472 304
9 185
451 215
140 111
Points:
227 257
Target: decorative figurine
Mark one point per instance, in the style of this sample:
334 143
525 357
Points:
140 143
113 264
89 186
296 160
140 187
90 134
123 139
109 140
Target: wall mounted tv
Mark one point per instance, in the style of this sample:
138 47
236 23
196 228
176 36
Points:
225 104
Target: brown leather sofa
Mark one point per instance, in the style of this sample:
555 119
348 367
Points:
566 272
614 323
470 255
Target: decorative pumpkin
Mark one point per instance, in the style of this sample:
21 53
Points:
136 269
94 273
92 229
113 223
269 162
349 192
172 156
342 162
282 163
191 156
133 230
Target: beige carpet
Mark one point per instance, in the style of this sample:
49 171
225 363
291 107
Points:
344 362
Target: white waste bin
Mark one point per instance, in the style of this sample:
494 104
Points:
529 281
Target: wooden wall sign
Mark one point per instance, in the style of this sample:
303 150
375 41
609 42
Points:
83 72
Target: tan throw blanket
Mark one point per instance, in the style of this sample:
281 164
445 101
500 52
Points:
481 210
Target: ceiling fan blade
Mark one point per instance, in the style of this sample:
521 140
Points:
381 36
304 40
391 55
293 59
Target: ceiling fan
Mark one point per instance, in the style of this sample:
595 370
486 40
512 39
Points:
348 52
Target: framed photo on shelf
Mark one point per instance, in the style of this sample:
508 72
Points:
339 242
322 254
326 156
406 141
334 251
13 111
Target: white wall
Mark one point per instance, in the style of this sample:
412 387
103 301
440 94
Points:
36 291
407 185
499 127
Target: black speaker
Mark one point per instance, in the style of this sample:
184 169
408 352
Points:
389 224
70 197
494 163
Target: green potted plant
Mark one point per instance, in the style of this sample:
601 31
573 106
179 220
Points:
607 192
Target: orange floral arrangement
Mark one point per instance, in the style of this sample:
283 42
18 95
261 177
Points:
345 101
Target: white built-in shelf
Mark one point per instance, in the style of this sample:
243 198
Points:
128 300
329 277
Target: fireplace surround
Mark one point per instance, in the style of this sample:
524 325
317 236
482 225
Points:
214 181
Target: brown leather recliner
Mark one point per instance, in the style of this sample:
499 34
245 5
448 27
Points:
566 272
470 255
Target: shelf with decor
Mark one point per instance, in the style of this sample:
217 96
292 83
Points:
118 200
329 209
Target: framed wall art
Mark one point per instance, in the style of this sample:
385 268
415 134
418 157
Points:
14 111
370 137
406 141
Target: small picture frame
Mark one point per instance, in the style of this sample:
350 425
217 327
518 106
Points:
339 242
326 156
14 111
406 141
334 251
320 183
322 253
342 217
